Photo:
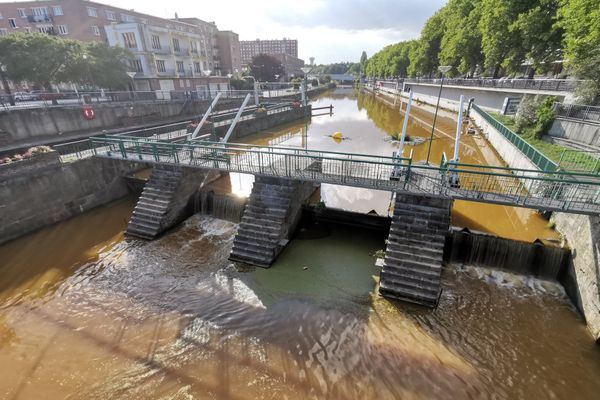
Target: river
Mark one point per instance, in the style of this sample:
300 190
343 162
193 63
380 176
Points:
86 313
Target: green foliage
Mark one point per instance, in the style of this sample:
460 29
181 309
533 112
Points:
241 84
314 82
544 117
335 68
526 113
264 68
45 59
495 37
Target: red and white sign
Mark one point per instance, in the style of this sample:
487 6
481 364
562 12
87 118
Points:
89 113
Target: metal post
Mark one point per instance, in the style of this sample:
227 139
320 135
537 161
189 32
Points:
256 100
206 114
405 126
434 119
458 128
236 119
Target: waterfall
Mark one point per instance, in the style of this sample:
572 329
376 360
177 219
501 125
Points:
220 205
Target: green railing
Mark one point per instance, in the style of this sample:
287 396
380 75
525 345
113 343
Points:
534 155
546 190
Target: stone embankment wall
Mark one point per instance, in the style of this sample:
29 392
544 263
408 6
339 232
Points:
582 281
582 132
41 191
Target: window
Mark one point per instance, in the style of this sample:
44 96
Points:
12 22
144 21
39 11
57 10
92 12
110 15
156 42
63 30
47 29
160 66
127 18
96 31
3 32
197 68
136 65
176 44
129 40
193 46
22 12
180 67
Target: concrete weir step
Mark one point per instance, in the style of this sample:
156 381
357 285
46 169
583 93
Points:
414 253
271 213
158 193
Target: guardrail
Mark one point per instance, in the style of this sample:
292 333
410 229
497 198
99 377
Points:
533 154
578 112
550 190
552 85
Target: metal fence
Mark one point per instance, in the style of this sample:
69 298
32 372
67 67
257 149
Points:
552 85
534 155
579 112
548 190
580 161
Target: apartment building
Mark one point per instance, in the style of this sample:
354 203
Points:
169 54
251 48
228 43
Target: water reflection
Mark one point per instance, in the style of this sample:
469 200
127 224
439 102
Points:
367 122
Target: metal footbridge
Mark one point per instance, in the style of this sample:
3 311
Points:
572 192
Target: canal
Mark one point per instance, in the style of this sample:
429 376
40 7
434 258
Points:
86 313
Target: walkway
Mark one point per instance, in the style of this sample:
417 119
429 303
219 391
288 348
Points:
553 191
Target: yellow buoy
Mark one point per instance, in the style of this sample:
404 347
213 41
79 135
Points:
337 135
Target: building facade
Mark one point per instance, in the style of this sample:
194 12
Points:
169 54
292 66
228 43
251 48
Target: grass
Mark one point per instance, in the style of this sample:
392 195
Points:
567 158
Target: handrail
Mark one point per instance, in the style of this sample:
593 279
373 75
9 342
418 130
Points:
533 154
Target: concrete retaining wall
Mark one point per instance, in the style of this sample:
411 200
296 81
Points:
508 151
579 131
582 280
42 191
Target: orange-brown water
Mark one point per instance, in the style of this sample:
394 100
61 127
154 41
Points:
366 122
88 314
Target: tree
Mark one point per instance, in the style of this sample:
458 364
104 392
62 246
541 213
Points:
264 68
39 58
424 55
580 20
363 62
105 66
461 44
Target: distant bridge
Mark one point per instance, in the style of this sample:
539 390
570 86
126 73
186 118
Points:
572 192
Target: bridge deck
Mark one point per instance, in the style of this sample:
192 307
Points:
553 191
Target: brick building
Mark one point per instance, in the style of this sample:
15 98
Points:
251 48
169 54
229 50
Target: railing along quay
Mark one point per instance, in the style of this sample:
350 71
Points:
547 190
578 112
552 85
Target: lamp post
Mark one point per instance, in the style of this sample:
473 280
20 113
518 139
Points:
305 70
6 86
207 73
443 69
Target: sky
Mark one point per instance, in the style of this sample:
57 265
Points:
329 30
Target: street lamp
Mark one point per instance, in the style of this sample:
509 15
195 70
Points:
207 73
443 69
305 70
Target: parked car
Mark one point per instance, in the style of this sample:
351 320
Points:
24 96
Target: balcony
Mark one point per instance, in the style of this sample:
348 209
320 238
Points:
161 50
182 52
39 18
167 72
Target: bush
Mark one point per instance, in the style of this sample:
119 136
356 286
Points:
544 117
526 113
314 82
